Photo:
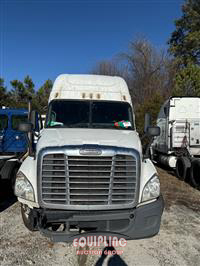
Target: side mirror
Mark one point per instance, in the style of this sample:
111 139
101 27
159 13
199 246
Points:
147 122
36 120
25 127
153 131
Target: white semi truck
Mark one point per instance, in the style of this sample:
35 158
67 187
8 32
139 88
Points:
178 145
88 175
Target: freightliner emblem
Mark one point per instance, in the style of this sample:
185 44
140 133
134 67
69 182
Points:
90 152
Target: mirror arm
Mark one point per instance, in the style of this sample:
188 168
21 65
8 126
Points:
30 150
146 153
144 136
36 134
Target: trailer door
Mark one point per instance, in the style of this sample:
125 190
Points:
195 133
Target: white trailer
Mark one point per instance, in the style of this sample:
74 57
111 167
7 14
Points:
178 145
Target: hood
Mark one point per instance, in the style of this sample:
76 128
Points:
78 136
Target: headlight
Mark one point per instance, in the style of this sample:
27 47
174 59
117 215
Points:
151 189
23 188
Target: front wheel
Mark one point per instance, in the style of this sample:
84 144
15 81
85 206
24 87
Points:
28 218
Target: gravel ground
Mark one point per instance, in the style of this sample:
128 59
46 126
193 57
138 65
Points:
176 244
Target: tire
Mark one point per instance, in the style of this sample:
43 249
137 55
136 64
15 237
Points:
195 173
28 218
183 164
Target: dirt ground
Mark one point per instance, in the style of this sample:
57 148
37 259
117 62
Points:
176 244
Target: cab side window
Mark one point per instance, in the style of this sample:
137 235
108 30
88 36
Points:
3 122
17 119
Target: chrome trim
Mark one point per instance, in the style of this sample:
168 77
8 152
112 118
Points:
74 150
90 151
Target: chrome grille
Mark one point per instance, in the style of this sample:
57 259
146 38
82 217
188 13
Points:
54 181
88 180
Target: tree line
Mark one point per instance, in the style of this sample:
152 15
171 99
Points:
152 74
20 91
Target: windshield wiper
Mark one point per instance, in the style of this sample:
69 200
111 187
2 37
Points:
76 125
103 125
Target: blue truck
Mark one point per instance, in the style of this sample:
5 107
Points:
13 143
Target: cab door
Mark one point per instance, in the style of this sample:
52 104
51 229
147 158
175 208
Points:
14 140
3 129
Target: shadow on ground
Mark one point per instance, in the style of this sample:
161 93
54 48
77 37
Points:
115 260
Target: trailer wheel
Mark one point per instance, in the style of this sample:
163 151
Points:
195 173
28 218
183 164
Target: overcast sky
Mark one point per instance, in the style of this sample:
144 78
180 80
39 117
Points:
44 38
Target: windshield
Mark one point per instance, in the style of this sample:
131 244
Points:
90 114
3 122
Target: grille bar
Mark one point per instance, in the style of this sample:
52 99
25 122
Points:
54 193
53 182
98 176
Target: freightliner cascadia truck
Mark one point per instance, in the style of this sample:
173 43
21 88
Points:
88 175
178 145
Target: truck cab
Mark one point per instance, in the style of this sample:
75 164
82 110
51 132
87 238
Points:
178 145
88 175
13 144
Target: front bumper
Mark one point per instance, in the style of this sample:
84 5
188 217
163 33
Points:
138 223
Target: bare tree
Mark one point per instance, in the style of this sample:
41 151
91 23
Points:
149 73
149 70
110 68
